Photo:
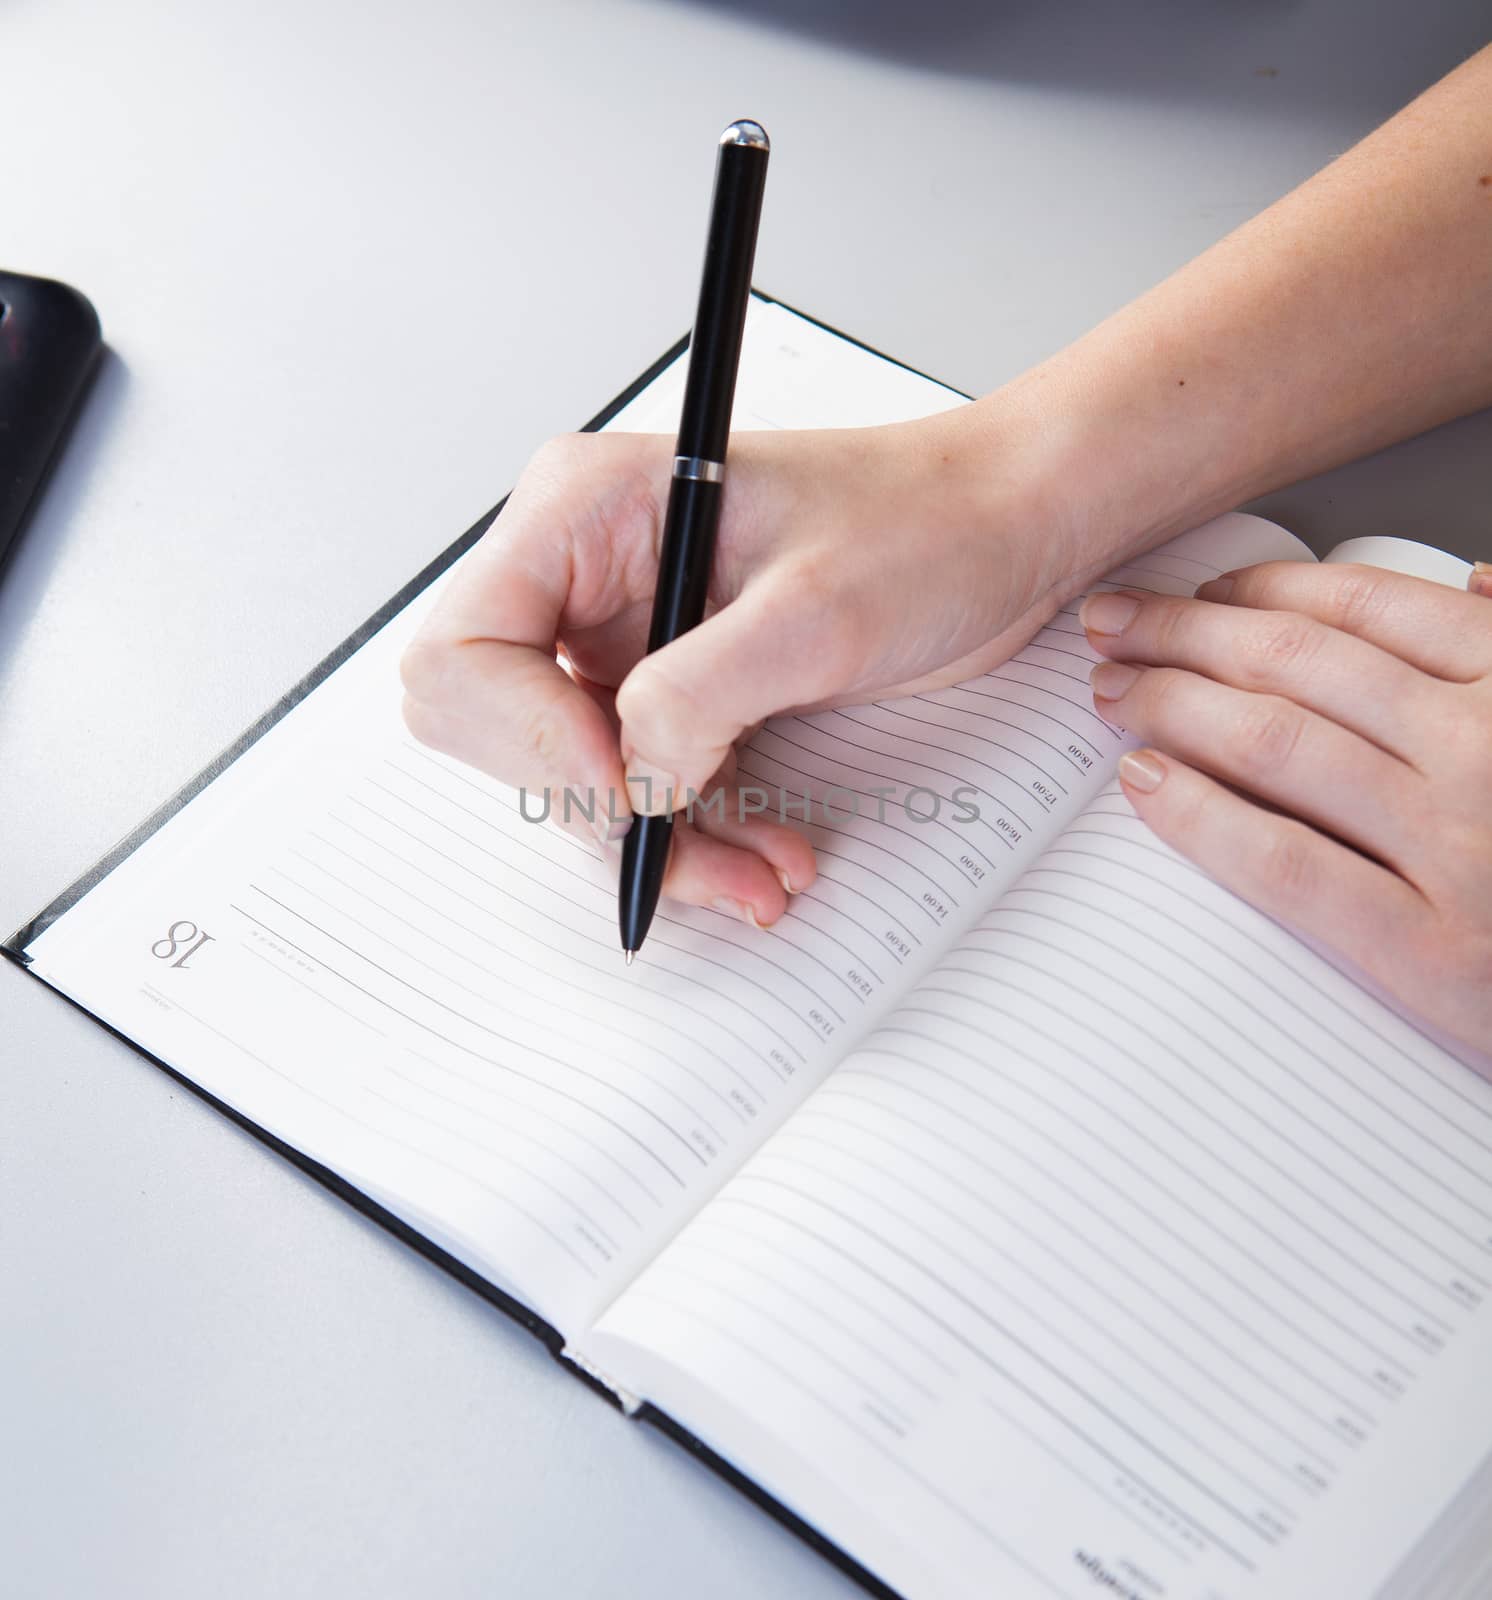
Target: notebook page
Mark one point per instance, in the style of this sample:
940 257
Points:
1133 1246
363 946
1403 555
1138 1248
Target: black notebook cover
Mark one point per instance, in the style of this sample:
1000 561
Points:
17 949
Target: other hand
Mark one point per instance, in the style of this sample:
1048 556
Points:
1321 744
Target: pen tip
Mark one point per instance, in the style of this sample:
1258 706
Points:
630 954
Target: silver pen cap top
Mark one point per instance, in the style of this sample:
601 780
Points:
748 133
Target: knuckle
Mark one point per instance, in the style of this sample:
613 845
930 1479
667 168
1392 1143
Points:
657 714
560 475
1275 644
557 457
1266 734
1357 598
1288 868
421 667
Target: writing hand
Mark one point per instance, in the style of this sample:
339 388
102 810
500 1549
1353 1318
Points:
850 564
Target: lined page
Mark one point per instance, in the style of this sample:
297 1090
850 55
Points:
363 947
1137 1249
1136 1241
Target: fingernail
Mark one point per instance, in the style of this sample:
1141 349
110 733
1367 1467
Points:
1112 680
1140 770
1215 589
651 791
739 909
1107 613
786 882
610 830
1480 581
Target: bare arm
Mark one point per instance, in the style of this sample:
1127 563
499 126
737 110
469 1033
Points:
1355 312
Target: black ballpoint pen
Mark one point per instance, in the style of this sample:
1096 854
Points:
699 469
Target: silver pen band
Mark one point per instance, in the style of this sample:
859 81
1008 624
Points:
700 470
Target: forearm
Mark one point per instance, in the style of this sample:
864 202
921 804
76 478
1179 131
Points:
1355 312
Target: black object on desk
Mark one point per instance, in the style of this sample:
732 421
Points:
694 494
49 341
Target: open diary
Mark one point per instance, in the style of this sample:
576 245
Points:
1023 1216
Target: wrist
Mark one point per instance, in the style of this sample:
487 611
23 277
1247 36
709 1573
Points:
1118 456
1016 475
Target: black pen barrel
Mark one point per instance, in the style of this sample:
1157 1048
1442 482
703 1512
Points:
683 581
684 557
693 514
725 285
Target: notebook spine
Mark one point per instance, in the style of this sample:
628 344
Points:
627 1402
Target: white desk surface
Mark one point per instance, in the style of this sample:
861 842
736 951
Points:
355 260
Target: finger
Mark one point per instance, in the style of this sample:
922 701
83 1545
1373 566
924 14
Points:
741 815
712 872
518 717
1480 581
1271 748
703 871
481 676
684 706
1271 652
1431 626
573 548
1278 864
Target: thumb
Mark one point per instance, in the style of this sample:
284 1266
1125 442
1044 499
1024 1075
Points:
683 707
